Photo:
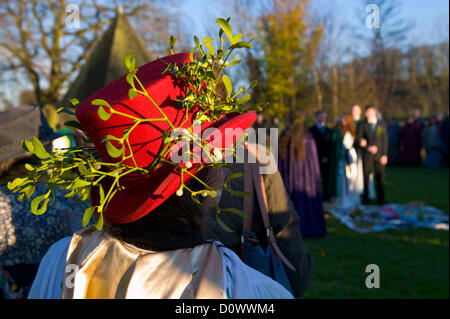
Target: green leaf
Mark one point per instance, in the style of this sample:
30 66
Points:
233 176
242 44
244 99
254 83
29 167
103 114
101 192
172 42
65 110
197 41
39 149
74 124
191 54
132 93
130 79
226 28
29 190
100 102
16 182
207 42
99 224
222 225
238 193
87 215
237 38
127 60
83 170
235 211
74 101
36 202
234 62
27 146
227 82
80 183
113 151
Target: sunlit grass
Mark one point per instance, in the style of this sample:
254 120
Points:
413 263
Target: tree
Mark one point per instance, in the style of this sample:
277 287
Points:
385 43
290 41
40 46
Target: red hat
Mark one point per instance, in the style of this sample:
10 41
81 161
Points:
143 193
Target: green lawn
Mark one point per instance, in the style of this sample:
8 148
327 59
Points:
413 263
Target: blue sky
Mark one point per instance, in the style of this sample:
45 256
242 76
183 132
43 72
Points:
428 17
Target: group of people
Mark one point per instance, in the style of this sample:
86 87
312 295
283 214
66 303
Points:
333 164
417 134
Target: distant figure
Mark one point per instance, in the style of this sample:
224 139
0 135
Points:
411 142
372 137
322 137
346 172
259 123
444 135
433 144
356 113
299 166
277 123
417 115
394 154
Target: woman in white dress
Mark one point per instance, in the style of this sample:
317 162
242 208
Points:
348 184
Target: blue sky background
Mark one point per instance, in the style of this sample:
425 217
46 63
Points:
428 17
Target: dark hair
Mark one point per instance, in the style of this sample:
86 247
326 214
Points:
291 140
370 106
175 224
319 112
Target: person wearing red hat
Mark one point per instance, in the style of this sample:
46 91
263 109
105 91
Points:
147 242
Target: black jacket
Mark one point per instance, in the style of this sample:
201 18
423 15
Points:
377 137
323 141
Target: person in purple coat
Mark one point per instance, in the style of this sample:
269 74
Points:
299 166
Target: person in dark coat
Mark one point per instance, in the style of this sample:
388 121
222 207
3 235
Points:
393 129
444 129
322 138
299 166
372 137
411 142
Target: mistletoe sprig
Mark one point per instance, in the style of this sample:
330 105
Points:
78 169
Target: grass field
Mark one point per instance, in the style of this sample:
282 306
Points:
413 263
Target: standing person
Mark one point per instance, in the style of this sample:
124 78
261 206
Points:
411 142
322 137
346 176
371 136
299 168
151 244
417 116
444 129
393 129
356 114
433 144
